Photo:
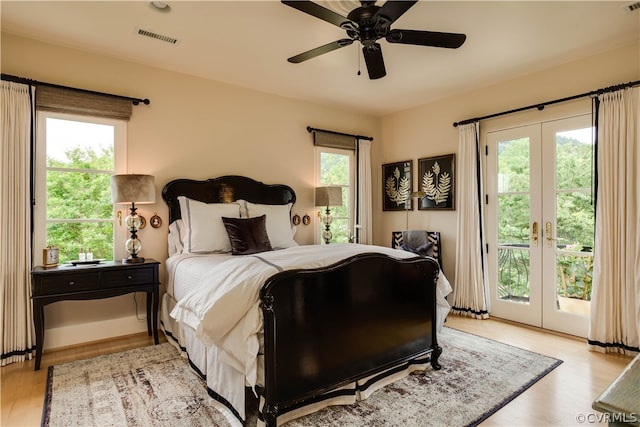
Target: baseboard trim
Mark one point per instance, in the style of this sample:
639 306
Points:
72 335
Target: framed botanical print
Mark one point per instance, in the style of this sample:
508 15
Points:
396 186
436 178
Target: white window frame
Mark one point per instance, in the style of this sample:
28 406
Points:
352 189
40 164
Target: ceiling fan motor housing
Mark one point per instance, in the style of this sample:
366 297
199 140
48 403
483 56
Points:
367 24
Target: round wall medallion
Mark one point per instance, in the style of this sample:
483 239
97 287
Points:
155 221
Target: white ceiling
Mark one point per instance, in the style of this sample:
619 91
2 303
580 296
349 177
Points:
246 43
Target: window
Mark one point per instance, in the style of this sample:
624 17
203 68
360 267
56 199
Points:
336 167
75 158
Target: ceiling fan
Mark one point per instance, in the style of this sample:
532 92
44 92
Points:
368 24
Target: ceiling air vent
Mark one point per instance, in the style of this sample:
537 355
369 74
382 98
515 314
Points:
633 6
157 36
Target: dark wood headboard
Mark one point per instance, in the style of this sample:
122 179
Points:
225 189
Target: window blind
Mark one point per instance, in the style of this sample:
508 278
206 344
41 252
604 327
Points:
334 140
89 104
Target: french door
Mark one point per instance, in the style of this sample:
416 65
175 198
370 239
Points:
540 223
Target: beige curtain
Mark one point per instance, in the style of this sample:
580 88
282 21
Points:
470 292
365 205
615 298
16 320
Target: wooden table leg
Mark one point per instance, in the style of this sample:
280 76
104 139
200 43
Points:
38 320
156 301
149 301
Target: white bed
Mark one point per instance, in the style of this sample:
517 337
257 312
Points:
211 308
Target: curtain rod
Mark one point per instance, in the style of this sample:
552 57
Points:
310 129
541 105
24 80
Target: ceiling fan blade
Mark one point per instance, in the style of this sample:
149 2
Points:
373 59
320 50
395 9
318 11
426 38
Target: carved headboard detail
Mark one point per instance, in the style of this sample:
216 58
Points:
225 189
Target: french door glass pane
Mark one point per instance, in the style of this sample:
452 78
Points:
513 165
513 274
574 219
513 220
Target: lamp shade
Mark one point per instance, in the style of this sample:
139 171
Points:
131 188
328 196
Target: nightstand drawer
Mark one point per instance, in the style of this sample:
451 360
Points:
65 283
126 277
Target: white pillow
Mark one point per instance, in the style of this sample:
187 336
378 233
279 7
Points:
175 237
204 229
279 227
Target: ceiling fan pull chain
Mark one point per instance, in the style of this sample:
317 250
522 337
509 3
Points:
358 55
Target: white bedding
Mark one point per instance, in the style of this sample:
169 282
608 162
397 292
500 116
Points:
217 307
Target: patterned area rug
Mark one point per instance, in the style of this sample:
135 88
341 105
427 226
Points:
154 386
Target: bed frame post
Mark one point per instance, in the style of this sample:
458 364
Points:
270 410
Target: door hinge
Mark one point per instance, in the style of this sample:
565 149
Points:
486 199
486 150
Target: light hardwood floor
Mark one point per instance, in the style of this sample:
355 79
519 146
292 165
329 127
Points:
556 400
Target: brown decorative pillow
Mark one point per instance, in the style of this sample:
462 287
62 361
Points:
247 235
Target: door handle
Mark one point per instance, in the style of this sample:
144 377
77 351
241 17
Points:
534 233
548 229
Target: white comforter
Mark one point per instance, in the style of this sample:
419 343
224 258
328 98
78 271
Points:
223 310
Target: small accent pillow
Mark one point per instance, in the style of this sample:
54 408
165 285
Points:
204 231
247 235
278 222
423 250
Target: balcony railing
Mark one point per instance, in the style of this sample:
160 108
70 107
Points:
574 276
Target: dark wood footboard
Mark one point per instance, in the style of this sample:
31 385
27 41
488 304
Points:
327 327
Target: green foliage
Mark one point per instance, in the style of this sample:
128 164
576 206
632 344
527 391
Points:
574 217
575 275
334 170
79 208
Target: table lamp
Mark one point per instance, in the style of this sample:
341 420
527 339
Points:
132 188
328 196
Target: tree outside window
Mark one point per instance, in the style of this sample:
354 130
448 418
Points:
79 162
335 169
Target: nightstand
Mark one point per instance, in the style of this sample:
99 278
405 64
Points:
93 281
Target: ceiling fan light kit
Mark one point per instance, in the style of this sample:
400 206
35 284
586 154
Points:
368 24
